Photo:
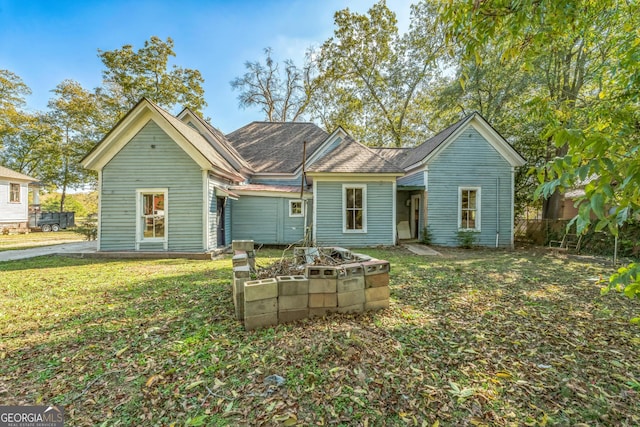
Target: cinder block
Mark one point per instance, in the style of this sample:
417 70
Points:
261 321
376 305
262 306
240 258
322 286
376 294
350 270
242 245
350 284
376 280
238 297
323 300
292 285
293 302
356 308
285 316
376 266
346 299
242 271
260 289
321 272
361 257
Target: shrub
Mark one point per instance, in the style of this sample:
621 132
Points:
466 239
427 237
88 229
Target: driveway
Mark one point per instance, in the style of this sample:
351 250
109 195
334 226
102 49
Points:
64 248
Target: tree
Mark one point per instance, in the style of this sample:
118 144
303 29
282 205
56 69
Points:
369 76
12 99
75 116
28 147
131 75
588 52
281 94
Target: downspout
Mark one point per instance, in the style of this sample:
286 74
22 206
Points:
497 211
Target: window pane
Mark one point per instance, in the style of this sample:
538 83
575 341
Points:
147 208
148 227
465 199
159 226
158 204
358 197
472 199
350 198
472 219
358 220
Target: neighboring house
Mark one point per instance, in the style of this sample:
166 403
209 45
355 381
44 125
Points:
178 184
14 198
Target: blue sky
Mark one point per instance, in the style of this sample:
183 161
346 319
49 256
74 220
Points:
45 42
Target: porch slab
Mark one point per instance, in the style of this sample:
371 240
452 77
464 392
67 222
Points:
421 249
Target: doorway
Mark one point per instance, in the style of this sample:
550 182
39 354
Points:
220 222
415 216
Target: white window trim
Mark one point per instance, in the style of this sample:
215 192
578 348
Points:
478 206
19 193
363 187
139 232
301 214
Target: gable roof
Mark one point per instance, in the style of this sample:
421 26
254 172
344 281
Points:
276 147
410 157
11 174
189 139
352 157
216 138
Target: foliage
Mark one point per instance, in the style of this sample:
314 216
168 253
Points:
283 95
83 204
369 75
467 239
29 145
471 338
12 99
588 52
76 117
89 229
131 75
427 236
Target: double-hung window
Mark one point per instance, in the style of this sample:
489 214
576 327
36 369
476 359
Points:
152 214
14 193
354 199
469 208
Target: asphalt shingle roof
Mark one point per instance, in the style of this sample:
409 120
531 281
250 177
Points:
353 157
272 147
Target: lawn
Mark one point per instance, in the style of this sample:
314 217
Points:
477 337
37 239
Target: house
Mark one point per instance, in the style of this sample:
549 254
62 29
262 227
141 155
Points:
176 183
14 198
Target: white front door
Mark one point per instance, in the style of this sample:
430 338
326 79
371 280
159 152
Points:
415 216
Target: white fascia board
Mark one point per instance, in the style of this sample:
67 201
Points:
283 194
326 176
125 131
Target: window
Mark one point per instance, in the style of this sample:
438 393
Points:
296 208
469 208
152 211
355 208
14 193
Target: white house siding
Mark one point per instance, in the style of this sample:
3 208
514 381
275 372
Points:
265 220
470 161
152 160
329 214
13 213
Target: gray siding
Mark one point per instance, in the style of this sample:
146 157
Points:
265 220
329 210
138 165
212 211
415 179
469 161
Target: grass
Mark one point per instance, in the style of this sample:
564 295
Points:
37 239
475 337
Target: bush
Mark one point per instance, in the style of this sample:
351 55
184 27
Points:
466 239
88 229
427 237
